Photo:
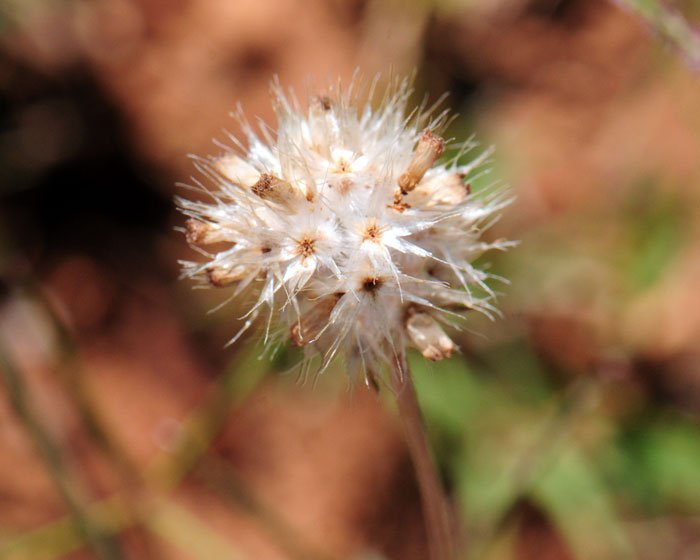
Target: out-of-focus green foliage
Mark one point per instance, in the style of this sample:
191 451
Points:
656 234
505 434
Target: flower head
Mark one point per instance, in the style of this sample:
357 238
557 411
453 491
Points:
346 228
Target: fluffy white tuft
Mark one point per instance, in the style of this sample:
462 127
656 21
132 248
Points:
346 228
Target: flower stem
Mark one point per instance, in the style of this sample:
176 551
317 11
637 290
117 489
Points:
435 505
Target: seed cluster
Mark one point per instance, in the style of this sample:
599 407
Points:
346 229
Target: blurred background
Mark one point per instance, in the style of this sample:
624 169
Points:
568 429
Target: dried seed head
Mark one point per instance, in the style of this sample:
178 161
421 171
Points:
203 232
428 337
354 236
219 277
275 189
195 230
449 190
236 170
430 147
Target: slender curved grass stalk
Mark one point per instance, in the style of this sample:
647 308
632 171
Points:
68 485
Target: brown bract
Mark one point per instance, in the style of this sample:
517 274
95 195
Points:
430 147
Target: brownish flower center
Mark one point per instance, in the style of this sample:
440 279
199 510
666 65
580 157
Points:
372 283
306 246
372 232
